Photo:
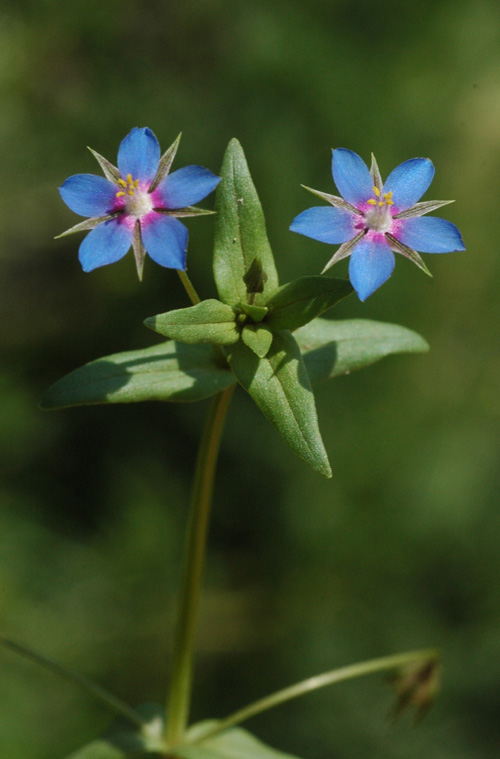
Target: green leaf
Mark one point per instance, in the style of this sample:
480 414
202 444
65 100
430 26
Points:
182 213
301 300
258 338
110 172
255 278
208 322
331 348
103 749
280 386
169 371
235 743
256 313
100 749
85 226
124 742
240 233
165 164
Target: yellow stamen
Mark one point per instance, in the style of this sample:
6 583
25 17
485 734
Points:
372 202
129 186
376 191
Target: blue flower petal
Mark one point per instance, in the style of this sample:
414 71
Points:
352 177
331 225
88 194
430 234
187 186
165 239
139 154
409 181
372 263
105 244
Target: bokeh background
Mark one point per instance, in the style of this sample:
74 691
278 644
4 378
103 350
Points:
401 549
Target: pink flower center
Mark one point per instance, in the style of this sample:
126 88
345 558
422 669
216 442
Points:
138 202
379 218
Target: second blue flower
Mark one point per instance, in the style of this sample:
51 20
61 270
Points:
136 204
372 219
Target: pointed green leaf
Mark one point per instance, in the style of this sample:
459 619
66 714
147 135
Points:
331 348
110 172
334 200
124 742
301 300
100 749
185 212
85 226
256 313
235 743
281 389
103 749
375 174
165 164
139 250
409 253
255 278
419 209
208 322
169 371
258 338
343 251
240 232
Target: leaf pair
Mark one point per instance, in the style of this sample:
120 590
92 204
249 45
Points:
290 307
126 743
176 372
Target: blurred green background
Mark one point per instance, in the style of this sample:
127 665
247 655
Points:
401 549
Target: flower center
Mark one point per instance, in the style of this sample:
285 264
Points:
379 216
137 202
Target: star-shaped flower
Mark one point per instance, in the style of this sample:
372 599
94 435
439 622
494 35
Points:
136 204
372 219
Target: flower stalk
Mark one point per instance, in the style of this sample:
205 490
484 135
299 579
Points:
382 664
189 287
179 697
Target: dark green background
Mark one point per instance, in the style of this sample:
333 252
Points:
401 549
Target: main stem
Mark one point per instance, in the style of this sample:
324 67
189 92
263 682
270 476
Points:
194 557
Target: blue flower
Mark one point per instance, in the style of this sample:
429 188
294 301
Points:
371 219
136 204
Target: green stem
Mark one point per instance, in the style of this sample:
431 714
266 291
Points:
194 557
189 287
319 681
89 686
